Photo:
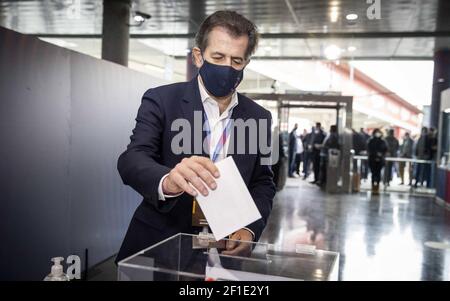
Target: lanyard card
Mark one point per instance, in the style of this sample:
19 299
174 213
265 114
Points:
198 218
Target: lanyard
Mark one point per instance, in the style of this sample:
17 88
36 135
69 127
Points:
223 138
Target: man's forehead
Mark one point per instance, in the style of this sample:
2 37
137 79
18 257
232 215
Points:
221 41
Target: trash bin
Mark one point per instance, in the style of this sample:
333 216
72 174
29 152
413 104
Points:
333 170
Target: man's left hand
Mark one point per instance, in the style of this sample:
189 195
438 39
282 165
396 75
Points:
239 244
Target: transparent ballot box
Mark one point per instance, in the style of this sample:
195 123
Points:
187 257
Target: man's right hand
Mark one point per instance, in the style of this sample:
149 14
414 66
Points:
190 173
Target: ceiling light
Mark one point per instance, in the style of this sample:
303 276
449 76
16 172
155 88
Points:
351 48
139 18
351 17
332 52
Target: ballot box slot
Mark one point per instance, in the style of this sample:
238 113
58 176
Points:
163 270
265 260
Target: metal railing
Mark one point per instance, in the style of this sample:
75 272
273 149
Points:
411 172
396 159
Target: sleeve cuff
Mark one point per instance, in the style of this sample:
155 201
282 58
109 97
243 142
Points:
161 195
253 234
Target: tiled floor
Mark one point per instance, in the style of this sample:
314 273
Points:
379 237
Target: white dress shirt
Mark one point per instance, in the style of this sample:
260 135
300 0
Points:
299 145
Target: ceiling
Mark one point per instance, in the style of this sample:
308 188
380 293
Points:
290 29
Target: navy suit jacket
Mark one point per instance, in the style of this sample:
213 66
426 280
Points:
149 157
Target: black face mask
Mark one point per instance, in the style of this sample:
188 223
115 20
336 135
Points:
220 80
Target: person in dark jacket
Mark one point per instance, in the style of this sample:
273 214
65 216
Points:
359 146
330 142
393 146
307 150
406 151
279 167
430 168
317 138
292 150
376 148
169 178
423 152
364 164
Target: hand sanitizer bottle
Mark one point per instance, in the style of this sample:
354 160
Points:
57 273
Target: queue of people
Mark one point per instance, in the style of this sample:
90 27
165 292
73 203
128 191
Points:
378 148
311 149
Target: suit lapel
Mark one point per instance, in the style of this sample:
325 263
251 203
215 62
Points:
192 109
239 112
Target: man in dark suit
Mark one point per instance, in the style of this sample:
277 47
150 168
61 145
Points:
317 138
169 180
292 150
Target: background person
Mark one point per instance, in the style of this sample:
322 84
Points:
423 152
392 152
292 150
299 154
376 148
406 151
317 138
330 142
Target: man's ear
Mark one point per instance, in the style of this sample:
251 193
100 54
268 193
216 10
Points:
197 57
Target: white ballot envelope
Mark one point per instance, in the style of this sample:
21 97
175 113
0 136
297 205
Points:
230 207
